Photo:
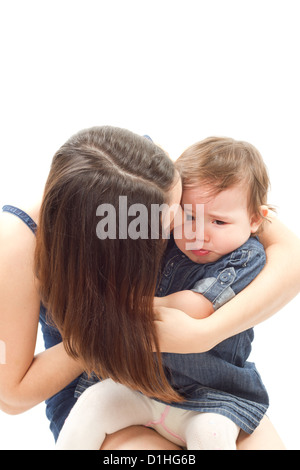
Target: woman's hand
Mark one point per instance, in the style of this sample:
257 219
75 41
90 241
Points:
180 333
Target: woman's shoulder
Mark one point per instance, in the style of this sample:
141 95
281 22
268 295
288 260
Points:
17 241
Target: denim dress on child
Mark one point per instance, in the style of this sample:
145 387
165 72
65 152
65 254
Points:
220 380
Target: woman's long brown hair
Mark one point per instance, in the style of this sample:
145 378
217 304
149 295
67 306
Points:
99 293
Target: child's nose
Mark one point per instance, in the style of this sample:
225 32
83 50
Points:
203 237
206 236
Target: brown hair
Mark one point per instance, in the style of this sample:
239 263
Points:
222 163
100 292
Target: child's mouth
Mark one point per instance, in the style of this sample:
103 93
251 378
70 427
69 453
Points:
200 252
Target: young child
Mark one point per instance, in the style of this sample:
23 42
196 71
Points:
222 392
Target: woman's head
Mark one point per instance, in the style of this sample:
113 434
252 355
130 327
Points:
100 291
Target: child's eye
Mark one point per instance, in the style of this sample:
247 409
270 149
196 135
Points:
219 222
189 217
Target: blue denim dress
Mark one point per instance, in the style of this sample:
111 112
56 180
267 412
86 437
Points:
220 380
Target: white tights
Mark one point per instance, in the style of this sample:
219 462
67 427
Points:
107 407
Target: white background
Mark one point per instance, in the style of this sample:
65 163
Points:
179 71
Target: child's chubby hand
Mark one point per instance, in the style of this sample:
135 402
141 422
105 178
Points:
179 333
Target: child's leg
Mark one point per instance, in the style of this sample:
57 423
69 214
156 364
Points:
103 408
210 431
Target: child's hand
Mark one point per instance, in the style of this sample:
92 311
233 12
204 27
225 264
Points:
180 333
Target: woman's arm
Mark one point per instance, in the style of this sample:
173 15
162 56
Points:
25 380
274 287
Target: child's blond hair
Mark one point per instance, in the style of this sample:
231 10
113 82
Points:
222 162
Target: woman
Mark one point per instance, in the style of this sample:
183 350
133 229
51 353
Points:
77 274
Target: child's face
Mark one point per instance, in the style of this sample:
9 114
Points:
226 220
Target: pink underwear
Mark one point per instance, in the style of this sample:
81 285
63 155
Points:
162 423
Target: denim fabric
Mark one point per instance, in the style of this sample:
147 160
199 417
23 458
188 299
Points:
59 406
220 380
219 281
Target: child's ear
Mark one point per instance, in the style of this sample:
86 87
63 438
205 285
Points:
257 219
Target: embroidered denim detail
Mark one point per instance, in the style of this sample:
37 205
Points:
240 256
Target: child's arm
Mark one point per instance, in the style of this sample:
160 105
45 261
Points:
193 304
274 287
